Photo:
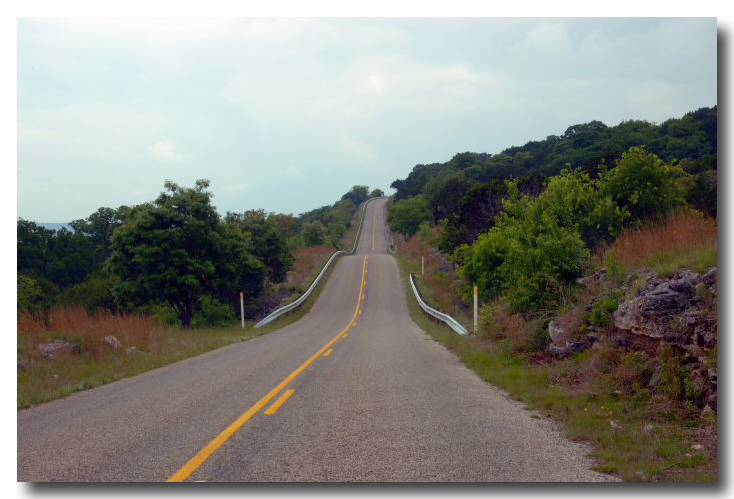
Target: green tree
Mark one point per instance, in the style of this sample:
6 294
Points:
643 185
314 233
29 293
176 249
406 215
444 194
527 256
376 193
357 194
268 240
99 226
335 232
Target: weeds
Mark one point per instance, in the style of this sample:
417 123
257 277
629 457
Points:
684 238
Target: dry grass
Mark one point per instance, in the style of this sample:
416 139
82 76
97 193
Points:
87 329
307 263
439 282
680 231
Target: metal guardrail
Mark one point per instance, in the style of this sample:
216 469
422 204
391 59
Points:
450 321
291 306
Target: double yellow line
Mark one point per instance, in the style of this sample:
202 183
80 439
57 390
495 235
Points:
196 461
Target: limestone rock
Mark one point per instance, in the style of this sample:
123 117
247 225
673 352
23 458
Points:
111 342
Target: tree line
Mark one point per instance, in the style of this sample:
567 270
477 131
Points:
175 256
522 224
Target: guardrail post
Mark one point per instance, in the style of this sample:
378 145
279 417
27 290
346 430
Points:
242 308
476 321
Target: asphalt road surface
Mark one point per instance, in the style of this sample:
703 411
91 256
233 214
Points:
354 391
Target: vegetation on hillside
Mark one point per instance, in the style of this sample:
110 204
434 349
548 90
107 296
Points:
174 257
555 252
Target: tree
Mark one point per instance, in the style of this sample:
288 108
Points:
526 256
358 194
314 233
642 184
376 193
444 193
406 215
99 226
268 241
177 250
335 232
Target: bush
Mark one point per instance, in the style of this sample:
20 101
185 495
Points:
527 256
406 215
213 313
643 185
601 310
314 233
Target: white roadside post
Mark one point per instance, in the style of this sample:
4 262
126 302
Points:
242 308
476 322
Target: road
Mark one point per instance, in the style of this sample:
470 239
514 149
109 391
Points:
354 391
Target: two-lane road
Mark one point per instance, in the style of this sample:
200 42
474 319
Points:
353 391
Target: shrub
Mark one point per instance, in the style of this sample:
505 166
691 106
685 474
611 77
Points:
601 310
213 313
314 233
643 185
406 215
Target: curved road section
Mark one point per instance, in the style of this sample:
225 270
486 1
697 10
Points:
354 391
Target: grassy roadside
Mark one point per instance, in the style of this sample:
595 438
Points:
49 379
638 438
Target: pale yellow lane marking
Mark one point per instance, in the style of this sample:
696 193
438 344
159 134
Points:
328 352
196 461
281 400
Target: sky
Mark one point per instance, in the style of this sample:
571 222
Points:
287 114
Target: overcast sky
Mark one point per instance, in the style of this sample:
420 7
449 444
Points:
288 114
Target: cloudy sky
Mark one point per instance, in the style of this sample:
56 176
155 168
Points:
288 114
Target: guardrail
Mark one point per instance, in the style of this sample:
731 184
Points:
291 306
450 321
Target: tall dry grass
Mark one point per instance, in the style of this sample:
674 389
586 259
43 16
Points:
73 323
680 230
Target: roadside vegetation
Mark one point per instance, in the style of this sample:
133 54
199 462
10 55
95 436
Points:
139 287
603 395
595 255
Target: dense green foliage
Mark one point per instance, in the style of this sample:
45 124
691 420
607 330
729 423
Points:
405 216
521 224
178 250
174 257
586 146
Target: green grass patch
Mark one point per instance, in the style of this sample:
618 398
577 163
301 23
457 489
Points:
695 258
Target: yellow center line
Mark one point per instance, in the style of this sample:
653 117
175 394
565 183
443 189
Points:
328 352
196 461
281 400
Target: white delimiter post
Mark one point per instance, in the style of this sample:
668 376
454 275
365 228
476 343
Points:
476 322
242 308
